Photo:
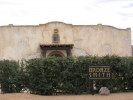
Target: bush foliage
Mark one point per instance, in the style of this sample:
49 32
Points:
47 76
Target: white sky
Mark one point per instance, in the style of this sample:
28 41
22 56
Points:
117 13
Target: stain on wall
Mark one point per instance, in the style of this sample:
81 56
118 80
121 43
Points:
17 42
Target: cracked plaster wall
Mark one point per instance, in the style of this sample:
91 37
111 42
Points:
17 42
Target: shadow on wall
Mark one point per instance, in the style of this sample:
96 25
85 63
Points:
80 52
132 49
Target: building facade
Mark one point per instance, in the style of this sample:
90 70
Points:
61 39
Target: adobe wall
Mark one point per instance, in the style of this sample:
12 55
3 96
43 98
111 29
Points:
17 42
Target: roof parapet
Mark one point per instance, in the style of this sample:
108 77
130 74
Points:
10 25
99 24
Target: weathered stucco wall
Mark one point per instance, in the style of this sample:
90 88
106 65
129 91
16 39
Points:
17 42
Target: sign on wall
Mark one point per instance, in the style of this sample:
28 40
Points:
99 72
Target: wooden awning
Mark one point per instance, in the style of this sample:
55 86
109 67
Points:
56 46
66 47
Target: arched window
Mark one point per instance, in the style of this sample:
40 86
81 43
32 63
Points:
56 54
55 36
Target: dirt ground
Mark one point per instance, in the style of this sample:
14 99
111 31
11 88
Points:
112 96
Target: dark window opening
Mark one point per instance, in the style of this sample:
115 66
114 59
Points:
56 38
56 55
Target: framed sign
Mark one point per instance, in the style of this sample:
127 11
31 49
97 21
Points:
99 72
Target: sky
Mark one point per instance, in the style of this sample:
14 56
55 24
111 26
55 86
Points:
117 13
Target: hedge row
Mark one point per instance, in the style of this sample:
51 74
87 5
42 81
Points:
47 76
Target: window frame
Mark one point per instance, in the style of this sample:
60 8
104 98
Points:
53 36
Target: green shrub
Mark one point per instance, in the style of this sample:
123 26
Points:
47 76
10 76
